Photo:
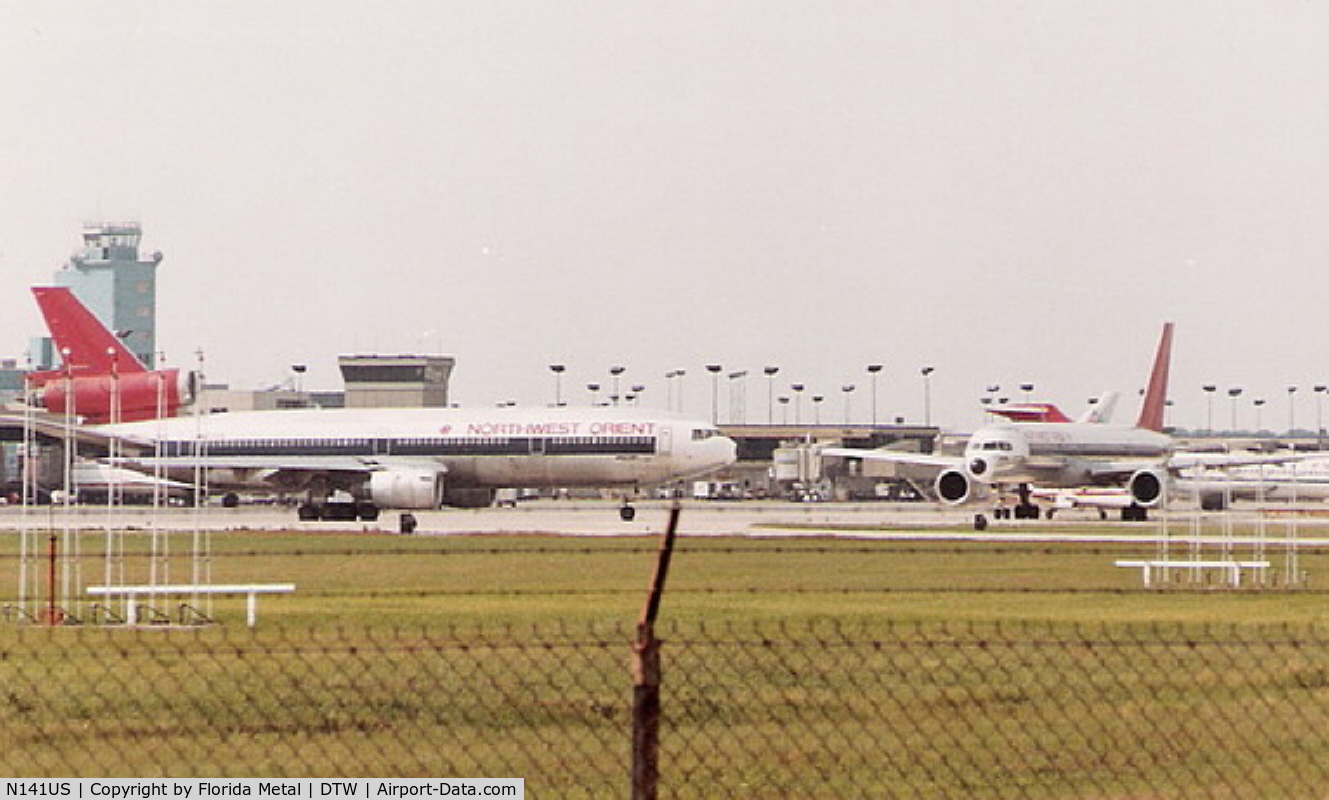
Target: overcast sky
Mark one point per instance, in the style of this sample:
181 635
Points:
1009 192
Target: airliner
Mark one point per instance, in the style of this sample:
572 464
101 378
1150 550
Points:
1063 455
420 458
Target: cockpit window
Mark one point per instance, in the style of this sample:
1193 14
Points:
702 434
1002 445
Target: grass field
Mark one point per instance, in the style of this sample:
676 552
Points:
381 579
795 667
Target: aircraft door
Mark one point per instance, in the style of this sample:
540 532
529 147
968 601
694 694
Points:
538 445
664 442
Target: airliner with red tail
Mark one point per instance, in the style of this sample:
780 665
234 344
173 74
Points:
1062 454
101 380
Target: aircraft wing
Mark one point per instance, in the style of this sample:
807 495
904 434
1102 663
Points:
894 457
1180 461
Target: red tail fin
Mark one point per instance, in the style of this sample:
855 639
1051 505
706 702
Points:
83 341
1155 397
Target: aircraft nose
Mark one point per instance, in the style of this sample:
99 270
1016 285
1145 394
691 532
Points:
728 453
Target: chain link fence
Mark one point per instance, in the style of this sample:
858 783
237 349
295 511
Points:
806 709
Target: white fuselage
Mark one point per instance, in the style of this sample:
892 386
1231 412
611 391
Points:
1058 453
508 447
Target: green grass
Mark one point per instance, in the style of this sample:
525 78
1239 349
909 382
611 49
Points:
815 668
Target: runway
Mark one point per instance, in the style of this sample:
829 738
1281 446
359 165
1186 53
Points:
767 519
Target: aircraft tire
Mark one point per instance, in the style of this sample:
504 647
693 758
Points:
627 513
230 500
980 522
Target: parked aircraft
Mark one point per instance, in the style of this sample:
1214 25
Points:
1100 411
101 380
421 458
1020 455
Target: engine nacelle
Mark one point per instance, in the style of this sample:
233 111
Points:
406 488
130 397
1148 487
955 487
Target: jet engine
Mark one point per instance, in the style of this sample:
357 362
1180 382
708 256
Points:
129 397
1147 487
955 487
406 488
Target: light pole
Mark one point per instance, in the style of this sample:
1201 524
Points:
594 389
669 389
558 370
816 408
1319 411
1259 403
1291 410
874 370
1026 388
1234 393
738 401
770 393
848 390
714 369
798 402
784 409
615 371
1209 390
927 395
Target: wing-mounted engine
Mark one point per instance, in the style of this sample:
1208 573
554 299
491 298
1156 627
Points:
404 488
1148 487
955 487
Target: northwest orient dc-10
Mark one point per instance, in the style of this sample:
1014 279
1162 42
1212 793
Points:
418 458
1065 454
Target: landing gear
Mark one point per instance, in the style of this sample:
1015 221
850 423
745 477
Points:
981 522
1135 513
1025 509
338 512
627 513
407 523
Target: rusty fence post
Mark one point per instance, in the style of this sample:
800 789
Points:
646 676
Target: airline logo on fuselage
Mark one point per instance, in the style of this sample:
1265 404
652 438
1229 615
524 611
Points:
568 428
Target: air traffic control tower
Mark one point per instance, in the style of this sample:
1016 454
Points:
405 381
116 285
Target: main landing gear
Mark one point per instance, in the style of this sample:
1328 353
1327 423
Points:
336 511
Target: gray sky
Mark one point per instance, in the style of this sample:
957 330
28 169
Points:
1008 191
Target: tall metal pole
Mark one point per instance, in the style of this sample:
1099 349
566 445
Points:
874 370
927 396
770 394
646 675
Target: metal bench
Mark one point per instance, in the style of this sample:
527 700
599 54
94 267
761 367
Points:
1232 568
250 590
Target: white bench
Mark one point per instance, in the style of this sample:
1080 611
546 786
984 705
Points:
1232 568
250 590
